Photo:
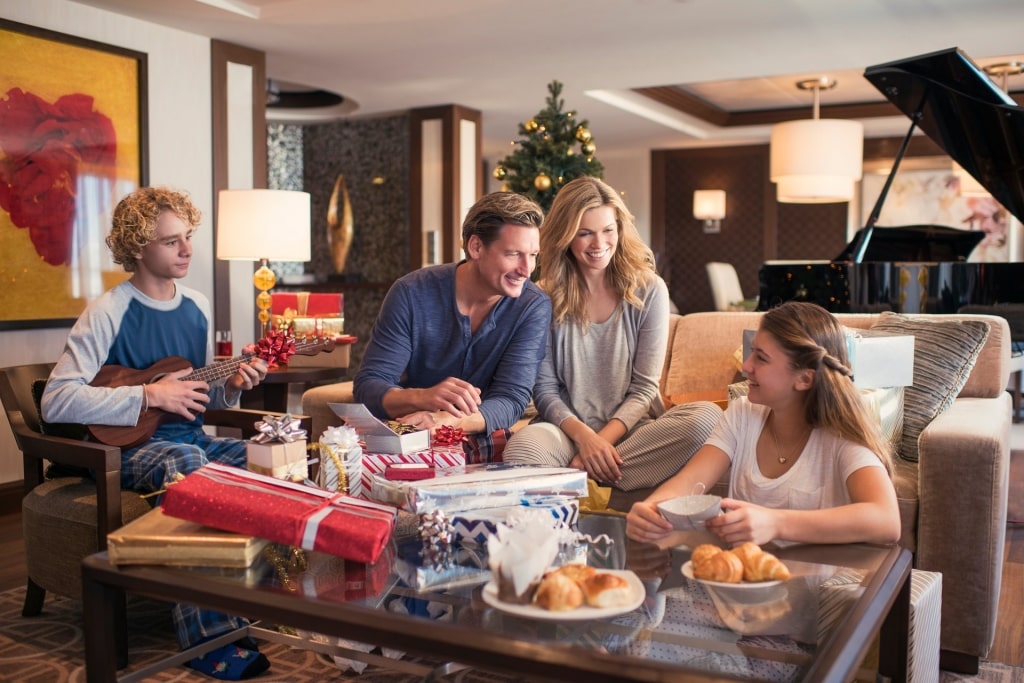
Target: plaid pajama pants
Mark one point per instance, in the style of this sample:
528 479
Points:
154 465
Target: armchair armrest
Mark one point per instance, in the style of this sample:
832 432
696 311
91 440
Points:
963 480
314 404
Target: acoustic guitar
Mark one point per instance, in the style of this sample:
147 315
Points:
150 420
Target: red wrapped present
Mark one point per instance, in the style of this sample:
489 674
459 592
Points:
245 502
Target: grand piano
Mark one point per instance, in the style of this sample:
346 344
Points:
924 268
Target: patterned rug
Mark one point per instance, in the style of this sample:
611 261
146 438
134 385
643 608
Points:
50 649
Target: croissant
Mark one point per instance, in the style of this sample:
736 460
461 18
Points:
606 590
759 565
723 566
703 552
558 592
576 572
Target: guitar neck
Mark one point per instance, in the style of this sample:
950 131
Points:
229 366
219 369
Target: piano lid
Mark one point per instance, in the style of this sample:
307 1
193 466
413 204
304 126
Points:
911 243
962 110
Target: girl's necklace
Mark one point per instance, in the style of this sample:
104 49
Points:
783 459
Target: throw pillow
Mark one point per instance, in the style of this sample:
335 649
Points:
67 430
944 355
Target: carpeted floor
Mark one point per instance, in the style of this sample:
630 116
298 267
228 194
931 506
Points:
50 649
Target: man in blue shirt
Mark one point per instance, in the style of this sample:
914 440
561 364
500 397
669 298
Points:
459 344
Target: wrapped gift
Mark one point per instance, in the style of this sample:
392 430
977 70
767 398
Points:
341 461
377 463
474 526
487 485
245 502
278 449
377 436
326 307
157 538
337 357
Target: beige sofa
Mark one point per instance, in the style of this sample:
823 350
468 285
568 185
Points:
953 501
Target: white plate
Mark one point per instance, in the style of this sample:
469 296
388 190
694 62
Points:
743 591
490 595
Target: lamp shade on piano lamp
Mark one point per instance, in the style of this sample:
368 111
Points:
259 225
816 161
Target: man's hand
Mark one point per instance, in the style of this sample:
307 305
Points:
174 395
455 396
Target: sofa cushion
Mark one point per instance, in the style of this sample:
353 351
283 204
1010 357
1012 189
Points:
945 351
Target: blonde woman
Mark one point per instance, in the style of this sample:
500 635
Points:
597 396
808 463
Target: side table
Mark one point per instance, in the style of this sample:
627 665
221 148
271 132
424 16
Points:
272 392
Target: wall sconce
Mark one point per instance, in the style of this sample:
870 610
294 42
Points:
259 225
709 206
816 161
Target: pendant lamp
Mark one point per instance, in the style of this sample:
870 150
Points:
816 161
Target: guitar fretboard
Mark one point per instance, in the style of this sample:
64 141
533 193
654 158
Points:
229 366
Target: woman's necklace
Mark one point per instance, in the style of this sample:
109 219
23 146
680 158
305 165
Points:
783 459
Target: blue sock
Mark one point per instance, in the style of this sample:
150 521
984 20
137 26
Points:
231 663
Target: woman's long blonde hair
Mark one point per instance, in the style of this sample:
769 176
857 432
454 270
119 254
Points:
632 264
812 338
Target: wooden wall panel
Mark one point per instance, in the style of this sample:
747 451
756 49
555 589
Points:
756 227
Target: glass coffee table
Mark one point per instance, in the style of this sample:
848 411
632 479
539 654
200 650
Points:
817 626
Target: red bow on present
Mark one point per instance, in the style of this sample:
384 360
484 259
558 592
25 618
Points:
446 436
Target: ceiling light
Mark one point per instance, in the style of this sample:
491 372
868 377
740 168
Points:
816 161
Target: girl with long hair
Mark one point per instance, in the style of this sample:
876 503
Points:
597 394
808 462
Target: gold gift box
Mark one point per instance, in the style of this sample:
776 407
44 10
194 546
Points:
156 538
278 460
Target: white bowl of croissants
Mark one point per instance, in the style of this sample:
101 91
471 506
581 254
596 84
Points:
746 572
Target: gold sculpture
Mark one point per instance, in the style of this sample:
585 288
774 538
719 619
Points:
339 224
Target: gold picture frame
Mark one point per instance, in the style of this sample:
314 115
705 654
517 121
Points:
72 143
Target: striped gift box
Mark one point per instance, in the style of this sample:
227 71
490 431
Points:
440 458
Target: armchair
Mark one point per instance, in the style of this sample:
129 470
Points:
66 515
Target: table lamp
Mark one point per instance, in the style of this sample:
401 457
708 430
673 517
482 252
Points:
259 225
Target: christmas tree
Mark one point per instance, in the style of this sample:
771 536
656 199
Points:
546 156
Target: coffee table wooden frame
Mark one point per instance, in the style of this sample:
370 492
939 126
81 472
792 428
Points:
883 606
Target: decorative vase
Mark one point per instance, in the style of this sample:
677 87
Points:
339 224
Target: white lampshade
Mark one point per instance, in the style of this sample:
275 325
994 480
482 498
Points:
709 204
816 161
263 224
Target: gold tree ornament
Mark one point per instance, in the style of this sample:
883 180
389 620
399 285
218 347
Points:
500 173
589 148
542 182
583 134
531 125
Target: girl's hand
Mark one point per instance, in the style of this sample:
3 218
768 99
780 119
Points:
742 522
645 524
